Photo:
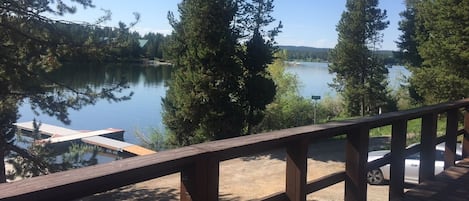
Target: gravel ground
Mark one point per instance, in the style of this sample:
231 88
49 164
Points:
251 178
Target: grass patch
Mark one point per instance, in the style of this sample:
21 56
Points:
414 128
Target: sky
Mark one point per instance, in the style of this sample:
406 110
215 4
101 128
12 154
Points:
306 22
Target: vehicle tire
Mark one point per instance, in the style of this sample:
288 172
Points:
375 177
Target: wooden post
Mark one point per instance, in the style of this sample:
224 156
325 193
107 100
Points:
427 154
297 153
398 143
451 137
465 150
356 158
199 181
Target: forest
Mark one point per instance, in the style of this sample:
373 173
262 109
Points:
302 53
110 44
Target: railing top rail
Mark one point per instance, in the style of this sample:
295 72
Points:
136 169
228 148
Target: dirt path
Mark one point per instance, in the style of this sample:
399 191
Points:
250 178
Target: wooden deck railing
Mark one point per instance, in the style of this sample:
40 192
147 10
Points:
199 164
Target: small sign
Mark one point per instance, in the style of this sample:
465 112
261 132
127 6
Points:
315 97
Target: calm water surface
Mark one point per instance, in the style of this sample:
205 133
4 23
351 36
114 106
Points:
315 77
143 112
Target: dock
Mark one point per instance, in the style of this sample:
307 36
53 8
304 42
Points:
101 138
46 129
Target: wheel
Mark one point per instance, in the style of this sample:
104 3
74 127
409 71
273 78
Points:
375 177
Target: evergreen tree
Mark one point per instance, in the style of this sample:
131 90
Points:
407 44
31 46
360 74
154 47
443 44
259 86
220 87
203 101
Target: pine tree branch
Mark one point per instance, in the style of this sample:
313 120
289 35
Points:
26 154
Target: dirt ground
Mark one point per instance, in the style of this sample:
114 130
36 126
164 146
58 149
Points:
251 178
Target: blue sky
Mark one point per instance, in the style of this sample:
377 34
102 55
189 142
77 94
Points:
306 22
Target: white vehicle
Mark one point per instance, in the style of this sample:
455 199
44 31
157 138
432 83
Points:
412 165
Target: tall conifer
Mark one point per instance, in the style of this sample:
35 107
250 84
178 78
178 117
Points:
203 101
259 88
221 86
360 75
443 43
407 43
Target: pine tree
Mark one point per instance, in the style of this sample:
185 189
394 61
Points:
221 86
259 87
443 44
31 45
203 101
407 44
360 74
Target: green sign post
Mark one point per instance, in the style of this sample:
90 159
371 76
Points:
315 98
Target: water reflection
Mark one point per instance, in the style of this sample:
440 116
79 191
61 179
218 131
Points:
141 112
80 75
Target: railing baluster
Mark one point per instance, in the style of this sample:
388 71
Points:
297 153
465 150
355 164
199 181
398 142
427 153
451 137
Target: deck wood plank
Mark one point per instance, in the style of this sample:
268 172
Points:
450 185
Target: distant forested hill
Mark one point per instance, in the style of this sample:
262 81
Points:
302 53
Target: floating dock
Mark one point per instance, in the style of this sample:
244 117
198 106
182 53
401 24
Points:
102 138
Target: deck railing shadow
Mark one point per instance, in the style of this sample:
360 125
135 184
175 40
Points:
199 164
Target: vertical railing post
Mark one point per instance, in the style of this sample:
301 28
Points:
465 148
398 143
297 153
200 181
356 156
451 137
428 140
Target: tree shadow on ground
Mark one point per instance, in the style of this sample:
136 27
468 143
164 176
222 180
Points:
133 193
144 194
329 150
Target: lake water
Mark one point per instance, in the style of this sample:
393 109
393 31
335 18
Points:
143 112
315 77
